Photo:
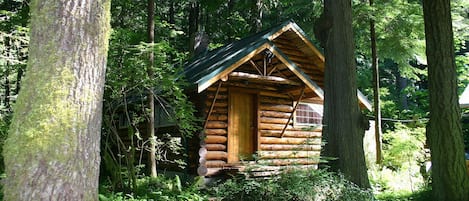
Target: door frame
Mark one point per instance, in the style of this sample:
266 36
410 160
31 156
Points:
256 116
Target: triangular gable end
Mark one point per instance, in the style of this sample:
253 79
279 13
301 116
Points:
219 63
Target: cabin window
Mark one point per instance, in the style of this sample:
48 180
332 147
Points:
123 121
164 116
308 114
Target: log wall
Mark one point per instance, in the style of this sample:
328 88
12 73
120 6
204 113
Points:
296 147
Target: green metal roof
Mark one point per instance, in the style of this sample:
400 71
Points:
204 67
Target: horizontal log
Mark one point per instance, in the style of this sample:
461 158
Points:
261 79
289 140
279 108
221 110
215 139
315 100
281 162
213 171
275 114
216 155
287 154
202 152
217 124
301 59
218 103
218 117
279 127
274 94
214 87
251 85
274 120
215 163
285 147
202 170
276 100
215 131
220 96
202 160
215 147
291 133
266 126
293 51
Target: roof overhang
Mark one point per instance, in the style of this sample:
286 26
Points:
208 80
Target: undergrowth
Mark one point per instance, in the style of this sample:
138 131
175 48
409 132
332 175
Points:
159 188
298 185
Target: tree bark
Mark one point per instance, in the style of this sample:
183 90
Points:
376 98
7 89
52 151
342 117
151 99
256 15
449 178
194 18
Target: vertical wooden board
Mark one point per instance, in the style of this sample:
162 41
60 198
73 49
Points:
241 130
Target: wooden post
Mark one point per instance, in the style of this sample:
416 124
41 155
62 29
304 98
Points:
294 109
213 105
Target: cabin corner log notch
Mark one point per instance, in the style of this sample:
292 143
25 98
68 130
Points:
253 111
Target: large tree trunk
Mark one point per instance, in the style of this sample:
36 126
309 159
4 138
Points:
449 178
343 128
52 151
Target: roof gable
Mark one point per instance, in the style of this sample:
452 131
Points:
294 54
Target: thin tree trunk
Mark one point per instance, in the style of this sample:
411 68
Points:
151 99
7 88
342 131
52 151
256 13
172 13
449 178
19 76
376 97
194 18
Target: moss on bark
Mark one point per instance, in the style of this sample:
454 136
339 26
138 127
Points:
52 151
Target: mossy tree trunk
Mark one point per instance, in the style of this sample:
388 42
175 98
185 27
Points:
449 178
52 151
343 129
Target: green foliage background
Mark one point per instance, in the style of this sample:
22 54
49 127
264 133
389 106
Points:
402 63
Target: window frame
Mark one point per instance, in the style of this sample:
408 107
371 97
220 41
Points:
298 124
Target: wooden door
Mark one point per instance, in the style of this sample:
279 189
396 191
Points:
242 129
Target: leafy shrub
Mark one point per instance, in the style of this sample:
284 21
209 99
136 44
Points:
404 147
299 185
404 164
159 188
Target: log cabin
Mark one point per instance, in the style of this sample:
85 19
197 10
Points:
260 99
